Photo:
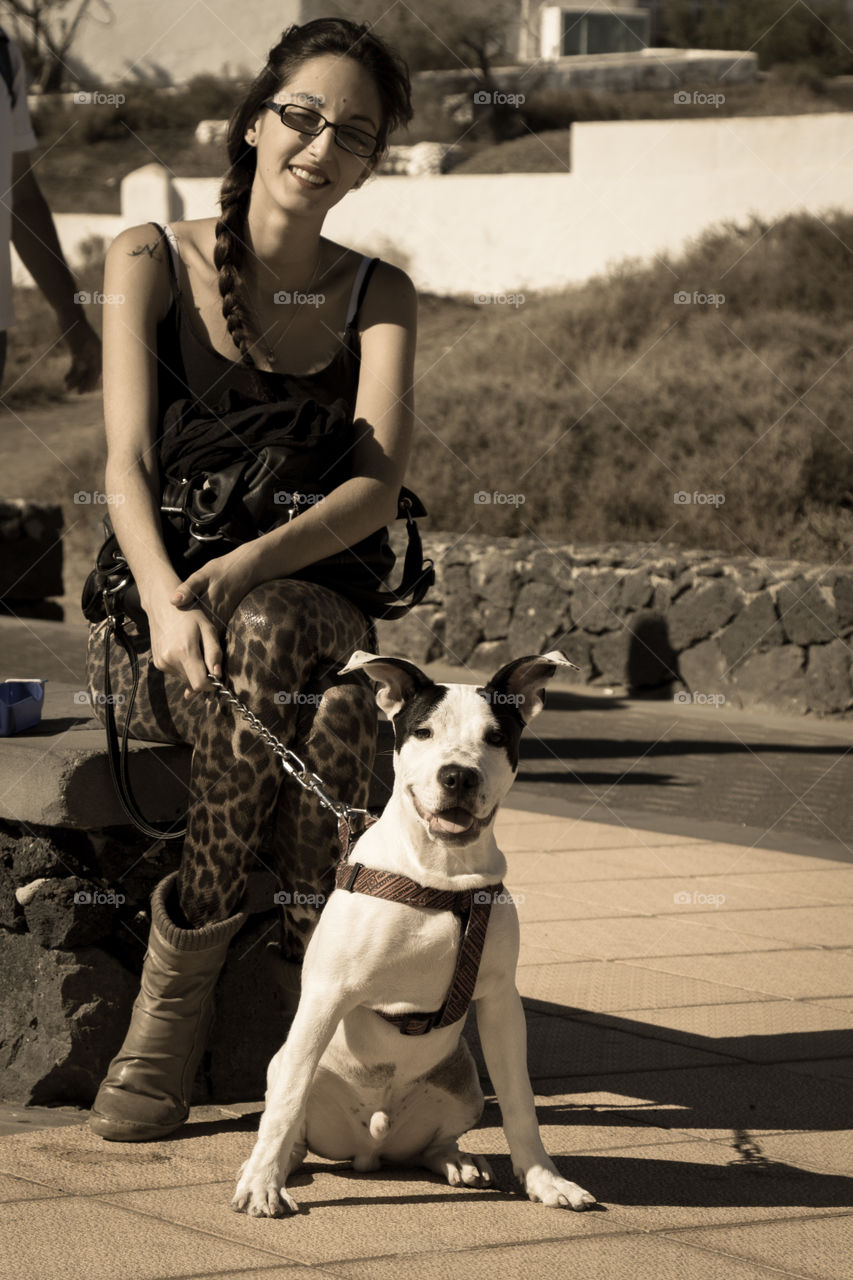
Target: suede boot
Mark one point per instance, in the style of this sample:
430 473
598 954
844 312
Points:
146 1091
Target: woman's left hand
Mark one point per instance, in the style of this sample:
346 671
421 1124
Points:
218 587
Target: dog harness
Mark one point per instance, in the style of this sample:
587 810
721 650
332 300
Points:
473 906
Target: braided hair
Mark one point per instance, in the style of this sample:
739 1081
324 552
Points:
297 45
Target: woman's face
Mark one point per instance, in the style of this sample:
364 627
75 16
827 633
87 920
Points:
340 89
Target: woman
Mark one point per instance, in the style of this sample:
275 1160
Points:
204 316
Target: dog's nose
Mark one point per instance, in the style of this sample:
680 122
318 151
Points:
459 779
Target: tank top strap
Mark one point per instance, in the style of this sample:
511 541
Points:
359 288
173 257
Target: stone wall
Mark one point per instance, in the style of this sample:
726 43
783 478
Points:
74 922
701 626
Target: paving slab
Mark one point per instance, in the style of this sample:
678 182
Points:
835 885
830 1069
345 1215
566 835
693 1184
643 860
830 1152
593 986
827 926
671 895
813 973
708 1102
760 1030
77 1160
631 937
817 1247
616 1257
17 1119
12 1189
561 1046
835 1002
110 1242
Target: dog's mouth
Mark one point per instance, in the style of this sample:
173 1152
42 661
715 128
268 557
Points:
455 821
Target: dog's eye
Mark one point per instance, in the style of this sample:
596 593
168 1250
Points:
495 738
423 732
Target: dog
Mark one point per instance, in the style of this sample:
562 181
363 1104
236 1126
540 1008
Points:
347 1084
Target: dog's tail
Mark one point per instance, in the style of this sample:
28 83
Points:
379 1125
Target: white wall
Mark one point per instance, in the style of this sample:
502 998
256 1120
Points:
636 189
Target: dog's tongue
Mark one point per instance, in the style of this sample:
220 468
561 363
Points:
452 821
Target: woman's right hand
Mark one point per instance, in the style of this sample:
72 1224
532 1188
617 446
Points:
185 643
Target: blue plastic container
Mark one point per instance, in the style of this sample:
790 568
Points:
21 702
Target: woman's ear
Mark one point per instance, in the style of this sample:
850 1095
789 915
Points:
251 134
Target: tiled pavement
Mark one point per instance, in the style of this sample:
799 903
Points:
683 996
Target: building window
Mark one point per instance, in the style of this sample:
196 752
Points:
594 31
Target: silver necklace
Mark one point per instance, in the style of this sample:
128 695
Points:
270 355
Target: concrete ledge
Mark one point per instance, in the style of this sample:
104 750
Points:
57 774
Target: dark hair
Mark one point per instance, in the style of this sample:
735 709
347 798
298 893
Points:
297 45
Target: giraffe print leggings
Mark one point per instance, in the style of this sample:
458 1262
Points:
284 645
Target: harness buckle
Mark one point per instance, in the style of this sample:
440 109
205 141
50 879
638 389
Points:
349 875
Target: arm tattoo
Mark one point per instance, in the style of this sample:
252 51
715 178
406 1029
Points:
150 249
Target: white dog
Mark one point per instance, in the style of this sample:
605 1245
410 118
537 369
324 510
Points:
347 1084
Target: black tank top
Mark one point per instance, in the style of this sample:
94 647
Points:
189 367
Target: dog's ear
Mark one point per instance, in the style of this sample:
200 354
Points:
522 683
398 679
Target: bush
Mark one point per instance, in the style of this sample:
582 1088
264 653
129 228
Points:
600 403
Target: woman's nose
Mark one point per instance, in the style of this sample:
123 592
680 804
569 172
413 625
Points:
323 144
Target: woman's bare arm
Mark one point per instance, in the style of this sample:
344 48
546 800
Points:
137 280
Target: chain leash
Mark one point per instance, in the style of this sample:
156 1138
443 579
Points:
290 761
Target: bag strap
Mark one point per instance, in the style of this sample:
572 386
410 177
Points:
7 71
117 754
418 574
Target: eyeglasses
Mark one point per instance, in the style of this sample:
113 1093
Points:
306 120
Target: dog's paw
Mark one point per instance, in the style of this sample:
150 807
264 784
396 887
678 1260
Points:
262 1197
547 1187
460 1168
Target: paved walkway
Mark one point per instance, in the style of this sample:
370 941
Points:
689 1005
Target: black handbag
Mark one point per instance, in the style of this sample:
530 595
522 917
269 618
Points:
238 469
110 589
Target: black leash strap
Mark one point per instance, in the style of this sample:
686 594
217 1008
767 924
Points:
117 752
7 72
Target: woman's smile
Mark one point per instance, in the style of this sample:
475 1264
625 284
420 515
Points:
308 176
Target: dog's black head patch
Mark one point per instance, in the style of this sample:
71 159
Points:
416 710
509 722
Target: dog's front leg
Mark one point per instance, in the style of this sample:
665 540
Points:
503 1035
261 1187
